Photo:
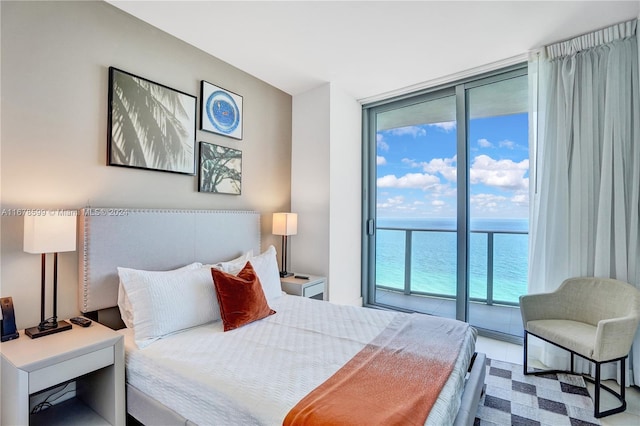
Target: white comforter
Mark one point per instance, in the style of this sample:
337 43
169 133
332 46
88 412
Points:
257 373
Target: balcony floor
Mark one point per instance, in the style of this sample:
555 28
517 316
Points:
500 318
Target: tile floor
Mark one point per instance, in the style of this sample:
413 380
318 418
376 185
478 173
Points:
510 352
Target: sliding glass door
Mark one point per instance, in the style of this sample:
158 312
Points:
498 202
416 171
446 201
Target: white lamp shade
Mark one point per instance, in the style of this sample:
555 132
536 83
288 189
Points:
285 224
50 234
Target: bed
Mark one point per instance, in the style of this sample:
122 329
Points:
183 368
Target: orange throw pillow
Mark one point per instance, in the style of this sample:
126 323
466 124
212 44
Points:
241 297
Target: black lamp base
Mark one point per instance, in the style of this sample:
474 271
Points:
35 332
284 274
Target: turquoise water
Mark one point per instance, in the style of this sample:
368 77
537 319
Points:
433 257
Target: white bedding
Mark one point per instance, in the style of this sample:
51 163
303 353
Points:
257 373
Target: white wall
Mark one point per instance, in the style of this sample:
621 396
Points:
310 172
346 198
326 189
55 59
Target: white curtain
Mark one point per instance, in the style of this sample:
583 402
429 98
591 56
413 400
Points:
586 166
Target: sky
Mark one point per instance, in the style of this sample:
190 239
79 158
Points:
416 169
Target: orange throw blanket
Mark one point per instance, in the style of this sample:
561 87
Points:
394 380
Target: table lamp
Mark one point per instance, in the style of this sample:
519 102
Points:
52 233
285 224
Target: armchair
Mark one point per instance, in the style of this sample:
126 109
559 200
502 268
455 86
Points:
594 318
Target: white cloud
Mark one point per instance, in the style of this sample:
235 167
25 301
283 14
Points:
503 174
484 143
493 205
391 202
397 204
446 126
438 203
398 199
380 160
445 166
381 144
521 199
411 163
414 131
487 203
445 191
487 199
410 180
507 144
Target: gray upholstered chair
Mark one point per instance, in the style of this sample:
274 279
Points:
594 318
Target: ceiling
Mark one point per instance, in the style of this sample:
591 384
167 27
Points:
371 48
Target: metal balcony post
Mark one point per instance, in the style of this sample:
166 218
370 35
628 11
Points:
489 268
408 235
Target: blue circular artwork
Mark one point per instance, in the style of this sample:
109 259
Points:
223 112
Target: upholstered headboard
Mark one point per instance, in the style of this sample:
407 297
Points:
154 239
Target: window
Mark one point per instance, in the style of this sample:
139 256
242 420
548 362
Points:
446 201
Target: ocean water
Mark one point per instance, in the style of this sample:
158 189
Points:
433 256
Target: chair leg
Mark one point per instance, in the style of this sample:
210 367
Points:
524 368
525 363
622 379
596 402
572 370
598 386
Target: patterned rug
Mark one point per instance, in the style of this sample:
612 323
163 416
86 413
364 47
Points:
511 398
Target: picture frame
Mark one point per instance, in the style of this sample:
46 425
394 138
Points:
220 169
150 126
220 111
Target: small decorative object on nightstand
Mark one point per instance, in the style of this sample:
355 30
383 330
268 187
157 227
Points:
305 285
91 356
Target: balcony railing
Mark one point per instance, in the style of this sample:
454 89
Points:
408 289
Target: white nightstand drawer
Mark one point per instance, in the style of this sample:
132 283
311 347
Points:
310 286
313 290
66 370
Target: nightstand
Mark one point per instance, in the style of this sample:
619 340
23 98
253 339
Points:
314 287
93 357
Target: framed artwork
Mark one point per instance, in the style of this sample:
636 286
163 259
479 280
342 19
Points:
220 111
150 126
220 169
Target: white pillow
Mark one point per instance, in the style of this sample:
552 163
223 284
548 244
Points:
223 266
126 311
165 303
266 267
